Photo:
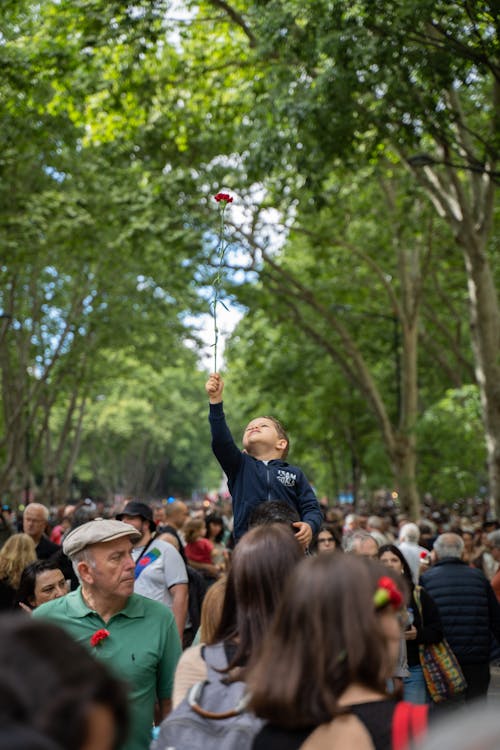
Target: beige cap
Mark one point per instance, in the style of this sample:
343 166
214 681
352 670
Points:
97 531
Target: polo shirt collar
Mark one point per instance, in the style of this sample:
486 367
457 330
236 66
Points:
77 607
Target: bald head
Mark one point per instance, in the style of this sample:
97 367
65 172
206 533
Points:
177 514
449 545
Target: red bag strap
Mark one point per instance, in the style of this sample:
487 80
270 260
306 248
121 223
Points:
409 722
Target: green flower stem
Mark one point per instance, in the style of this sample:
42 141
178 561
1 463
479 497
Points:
217 283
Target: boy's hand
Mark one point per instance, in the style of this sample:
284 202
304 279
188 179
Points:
214 387
304 533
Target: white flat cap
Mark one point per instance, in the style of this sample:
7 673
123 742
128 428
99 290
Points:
97 531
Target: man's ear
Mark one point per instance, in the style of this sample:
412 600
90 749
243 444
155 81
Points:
85 571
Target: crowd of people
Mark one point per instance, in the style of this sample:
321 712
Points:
299 626
276 622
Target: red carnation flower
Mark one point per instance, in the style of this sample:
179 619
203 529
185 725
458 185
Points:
223 197
99 635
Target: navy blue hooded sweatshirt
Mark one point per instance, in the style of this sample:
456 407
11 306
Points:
252 481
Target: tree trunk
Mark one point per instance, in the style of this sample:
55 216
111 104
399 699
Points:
485 327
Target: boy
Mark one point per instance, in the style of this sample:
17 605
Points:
259 472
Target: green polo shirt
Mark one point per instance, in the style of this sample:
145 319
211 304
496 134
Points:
142 649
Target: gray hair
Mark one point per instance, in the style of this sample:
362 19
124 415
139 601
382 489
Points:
353 541
84 555
494 538
409 532
449 545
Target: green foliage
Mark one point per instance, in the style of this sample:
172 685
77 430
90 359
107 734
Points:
452 449
147 432
119 123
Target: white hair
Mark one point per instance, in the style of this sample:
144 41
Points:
409 532
39 506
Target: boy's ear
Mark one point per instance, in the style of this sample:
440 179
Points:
282 444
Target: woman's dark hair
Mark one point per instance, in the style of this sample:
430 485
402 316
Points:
261 563
26 591
334 533
49 682
404 562
326 635
215 518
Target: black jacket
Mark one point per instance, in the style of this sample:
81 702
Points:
467 606
429 628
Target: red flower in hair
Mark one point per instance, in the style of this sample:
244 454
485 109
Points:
424 556
387 593
99 635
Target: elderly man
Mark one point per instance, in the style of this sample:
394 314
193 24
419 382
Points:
362 543
160 572
137 637
409 534
35 519
468 610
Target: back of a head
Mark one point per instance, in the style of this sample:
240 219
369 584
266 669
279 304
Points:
17 737
83 513
272 511
448 545
478 727
494 539
261 563
17 552
329 600
409 532
49 683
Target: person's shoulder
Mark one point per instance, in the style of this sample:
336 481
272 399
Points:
343 731
166 549
59 606
150 608
45 545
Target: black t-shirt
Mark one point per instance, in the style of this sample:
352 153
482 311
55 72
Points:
375 715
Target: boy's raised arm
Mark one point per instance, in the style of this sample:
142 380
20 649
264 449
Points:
225 449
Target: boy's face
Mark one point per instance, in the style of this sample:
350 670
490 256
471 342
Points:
261 435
